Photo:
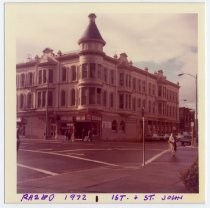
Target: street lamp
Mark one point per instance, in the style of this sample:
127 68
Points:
196 101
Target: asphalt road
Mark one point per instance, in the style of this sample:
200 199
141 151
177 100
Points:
85 166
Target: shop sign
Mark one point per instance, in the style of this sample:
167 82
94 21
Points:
96 118
106 125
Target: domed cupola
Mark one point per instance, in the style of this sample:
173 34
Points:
91 39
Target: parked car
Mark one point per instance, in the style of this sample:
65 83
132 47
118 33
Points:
166 137
178 137
185 139
155 137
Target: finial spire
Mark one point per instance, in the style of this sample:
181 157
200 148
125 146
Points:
92 17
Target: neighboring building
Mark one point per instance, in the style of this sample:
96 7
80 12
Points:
186 116
90 89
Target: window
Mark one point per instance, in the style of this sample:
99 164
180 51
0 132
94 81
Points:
44 76
159 91
153 91
29 99
139 85
129 102
40 77
63 98
73 73
122 126
160 108
126 80
21 101
83 96
111 100
22 78
121 80
92 70
134 104
114 125
149 106
50 76
43 99
30 81
126 102
50 98
139 103
63 74
104 98
84 71
154 107
99 71
121 101
105 74
129 81
99 96
144 87
91 95
112 77
149 88
134 83
73 97
39 99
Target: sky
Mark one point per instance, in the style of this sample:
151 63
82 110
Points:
166 41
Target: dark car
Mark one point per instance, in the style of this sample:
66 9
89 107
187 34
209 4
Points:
186 140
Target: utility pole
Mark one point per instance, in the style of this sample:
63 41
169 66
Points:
143 142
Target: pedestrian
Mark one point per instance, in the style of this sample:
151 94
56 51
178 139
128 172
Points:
66 136
18 138
90 135
83 134
172 145
72 134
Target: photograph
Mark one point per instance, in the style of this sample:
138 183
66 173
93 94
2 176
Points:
107 103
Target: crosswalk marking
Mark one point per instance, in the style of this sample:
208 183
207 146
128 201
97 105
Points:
38 169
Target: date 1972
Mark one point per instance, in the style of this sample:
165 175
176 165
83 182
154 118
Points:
50 197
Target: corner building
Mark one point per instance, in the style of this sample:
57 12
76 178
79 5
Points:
89 89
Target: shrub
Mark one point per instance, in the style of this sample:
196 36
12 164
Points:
190 177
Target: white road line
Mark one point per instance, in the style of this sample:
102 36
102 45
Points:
71 156
37 169
75 150
75 154
156 156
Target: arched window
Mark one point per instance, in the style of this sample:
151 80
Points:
63 98
122 126
21 101
29 99
73 97
114 125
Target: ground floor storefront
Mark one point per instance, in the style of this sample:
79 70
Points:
104 126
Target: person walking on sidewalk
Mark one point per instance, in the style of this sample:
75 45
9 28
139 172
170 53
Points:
172 145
